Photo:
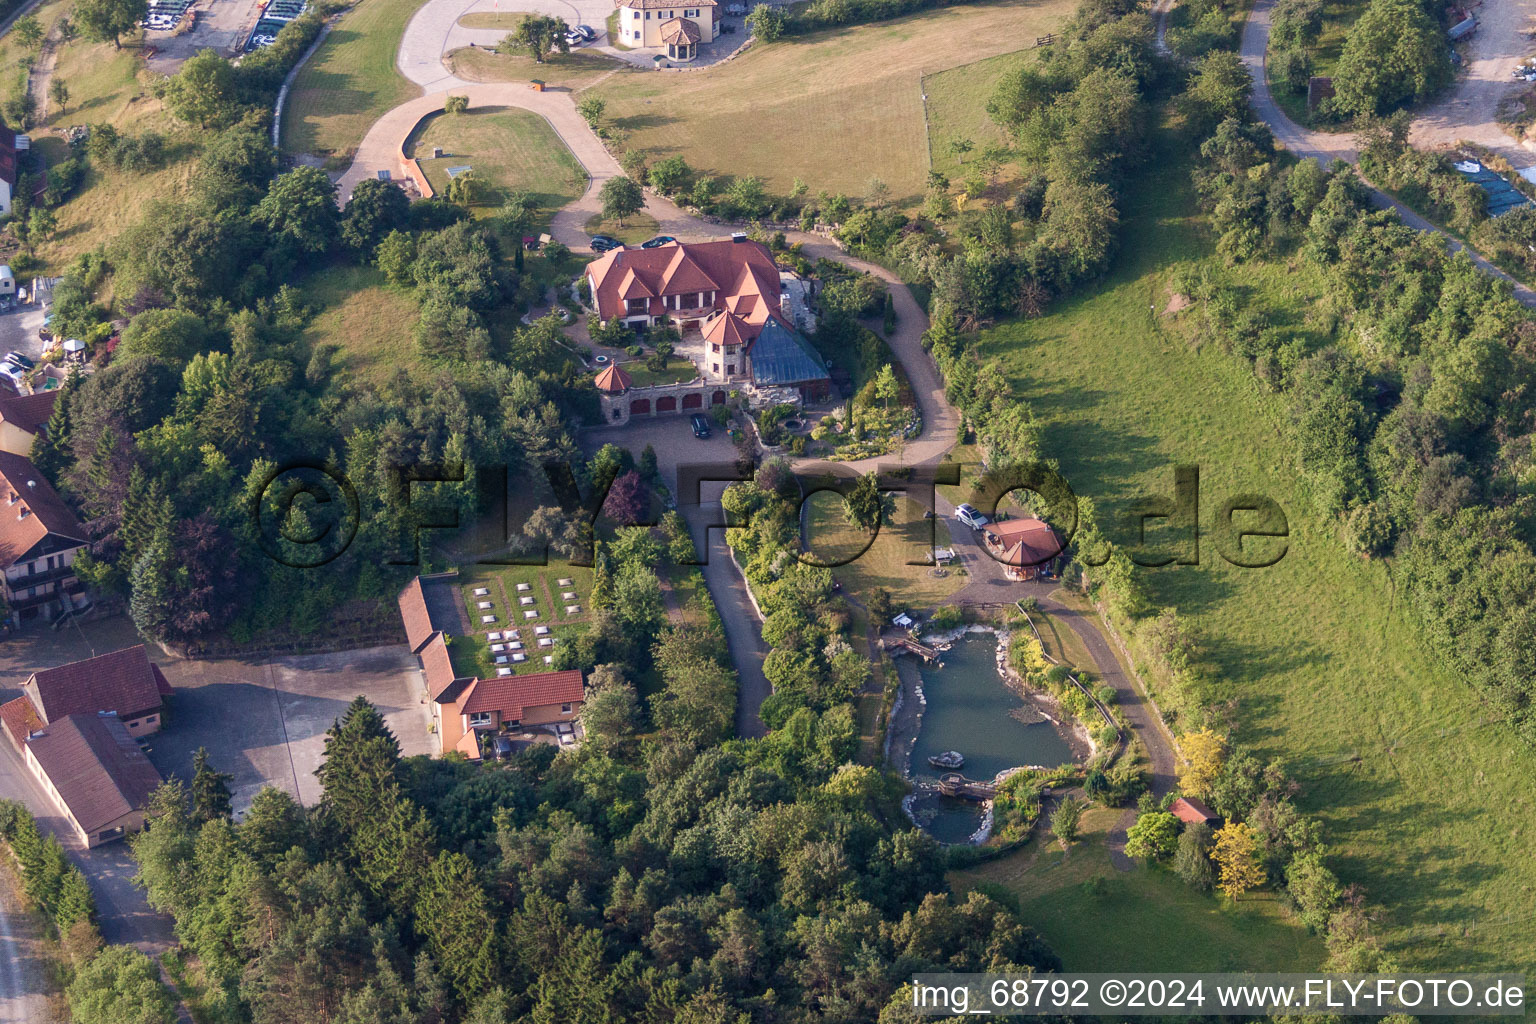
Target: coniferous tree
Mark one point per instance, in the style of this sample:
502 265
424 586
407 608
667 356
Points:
361 758
50 452
210 789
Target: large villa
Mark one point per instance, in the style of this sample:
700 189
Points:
726 299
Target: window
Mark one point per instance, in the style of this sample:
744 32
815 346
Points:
713 347
480 718
730 367
714 367
152 719
565 709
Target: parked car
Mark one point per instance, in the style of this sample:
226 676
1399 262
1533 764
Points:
501 747
603 243
969 515
658 242
700 425
586 32
574 38
12 373
20 360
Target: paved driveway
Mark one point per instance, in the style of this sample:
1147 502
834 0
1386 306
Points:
675 445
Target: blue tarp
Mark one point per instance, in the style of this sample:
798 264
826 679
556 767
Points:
1502 196
780 356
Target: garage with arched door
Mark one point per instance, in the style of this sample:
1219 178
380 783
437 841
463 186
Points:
640 407
718 398
694 400
667 404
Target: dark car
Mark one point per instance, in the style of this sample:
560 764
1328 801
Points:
20 360
586 32
700 425
658 242
502 747
603 243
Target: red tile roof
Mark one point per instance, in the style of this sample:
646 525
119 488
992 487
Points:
413 610
1024 542
509 695
680 30
728 329
123 681
29 412
98 770
438 664
30 509
1187 808
20 719
742 275
614 380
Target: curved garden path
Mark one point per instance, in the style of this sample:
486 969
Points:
380 150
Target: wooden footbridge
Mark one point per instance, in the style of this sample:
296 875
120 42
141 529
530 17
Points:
957 785
906 643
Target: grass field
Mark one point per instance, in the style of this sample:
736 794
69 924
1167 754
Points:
107 86
1426 798
1099 919
859 115
368 319
509 149
349 82
957 109
862 565
575 70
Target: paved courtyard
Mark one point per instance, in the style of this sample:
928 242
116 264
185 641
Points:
264 721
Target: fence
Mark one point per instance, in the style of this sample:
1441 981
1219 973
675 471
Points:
1109 719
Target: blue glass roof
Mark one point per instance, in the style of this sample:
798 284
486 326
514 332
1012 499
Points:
1502 196
781 356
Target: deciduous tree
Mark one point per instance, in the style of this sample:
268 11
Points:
1237 859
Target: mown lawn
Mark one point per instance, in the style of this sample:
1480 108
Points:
1097 918
544 594
349 82
863 565
507 21
678 371
857 115
575 70
1426 796
509 150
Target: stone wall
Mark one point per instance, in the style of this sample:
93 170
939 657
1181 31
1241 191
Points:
663 400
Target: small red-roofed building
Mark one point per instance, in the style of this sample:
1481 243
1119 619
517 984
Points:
1190 811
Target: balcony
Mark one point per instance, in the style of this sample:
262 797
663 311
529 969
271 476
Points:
33 579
